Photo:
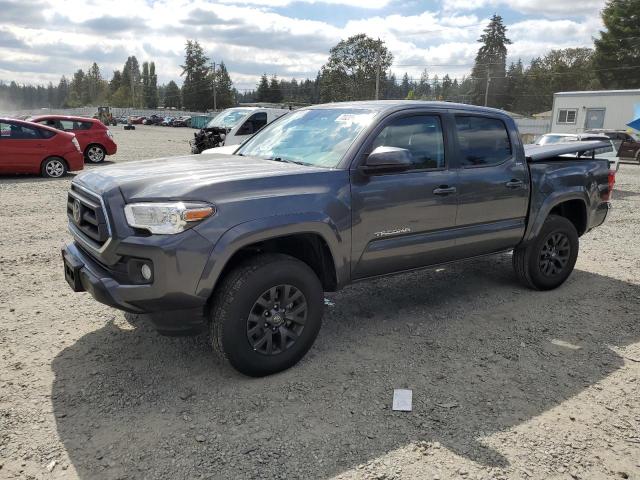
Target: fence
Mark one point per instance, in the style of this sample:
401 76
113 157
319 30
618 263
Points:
115 111
531 128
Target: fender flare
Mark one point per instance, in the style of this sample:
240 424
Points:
269 228
549 203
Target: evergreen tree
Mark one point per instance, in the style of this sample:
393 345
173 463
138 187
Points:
275 93
197 94
116 82
225 94
491 64
94 84
146 94
262 91
423 89
153 86
617 58
172 96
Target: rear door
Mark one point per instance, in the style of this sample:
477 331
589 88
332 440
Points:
405 220
493 193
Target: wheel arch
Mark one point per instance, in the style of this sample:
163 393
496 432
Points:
314 242
573 206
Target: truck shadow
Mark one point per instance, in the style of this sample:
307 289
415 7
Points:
481 354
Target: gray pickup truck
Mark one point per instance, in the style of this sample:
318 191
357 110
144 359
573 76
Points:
245 245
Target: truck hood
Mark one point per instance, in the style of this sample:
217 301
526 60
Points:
191 177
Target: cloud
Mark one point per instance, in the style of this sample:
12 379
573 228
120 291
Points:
266 36
22 12
538 7
110 25
370 4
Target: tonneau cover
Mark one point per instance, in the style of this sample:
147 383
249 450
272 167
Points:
543 152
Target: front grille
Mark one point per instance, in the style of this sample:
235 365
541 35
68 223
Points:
87 216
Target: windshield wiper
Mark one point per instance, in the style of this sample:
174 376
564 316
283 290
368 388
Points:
287 160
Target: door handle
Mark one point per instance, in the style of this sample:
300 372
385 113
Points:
444 190
515 184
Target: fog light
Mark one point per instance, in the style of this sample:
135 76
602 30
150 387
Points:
145 270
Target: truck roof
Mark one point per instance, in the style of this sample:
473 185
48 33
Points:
387 105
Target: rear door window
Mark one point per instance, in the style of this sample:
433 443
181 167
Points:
482 141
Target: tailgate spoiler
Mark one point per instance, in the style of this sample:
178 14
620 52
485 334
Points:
544 152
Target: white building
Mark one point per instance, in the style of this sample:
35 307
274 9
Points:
575 112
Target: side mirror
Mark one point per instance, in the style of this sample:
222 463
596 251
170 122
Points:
387 160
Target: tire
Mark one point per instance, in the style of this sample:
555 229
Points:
54 167
129 127
95 153
546 262
246 314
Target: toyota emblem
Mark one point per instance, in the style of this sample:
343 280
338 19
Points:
77 211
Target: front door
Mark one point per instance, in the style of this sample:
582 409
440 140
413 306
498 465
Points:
493 194
405 220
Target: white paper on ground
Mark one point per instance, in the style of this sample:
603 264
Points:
402 399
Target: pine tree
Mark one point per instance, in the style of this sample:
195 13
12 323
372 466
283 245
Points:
275 92
172 96
262 91
491 64
617 58
197 89
225 94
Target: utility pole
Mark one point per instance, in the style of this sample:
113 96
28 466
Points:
215 103
378 71
486 92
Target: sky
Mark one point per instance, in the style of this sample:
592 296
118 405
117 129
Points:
40 40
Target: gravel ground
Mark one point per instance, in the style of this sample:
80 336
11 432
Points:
507 383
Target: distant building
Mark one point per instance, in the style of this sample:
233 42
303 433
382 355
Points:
575 112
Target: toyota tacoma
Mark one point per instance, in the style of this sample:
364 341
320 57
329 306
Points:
244 245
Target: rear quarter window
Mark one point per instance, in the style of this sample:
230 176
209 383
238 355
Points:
482 141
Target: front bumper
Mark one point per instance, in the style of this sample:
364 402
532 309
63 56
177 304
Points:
169 300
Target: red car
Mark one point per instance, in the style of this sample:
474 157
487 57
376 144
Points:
27 147
96 141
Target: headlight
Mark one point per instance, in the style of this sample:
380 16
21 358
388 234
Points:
109 134
74 140
167 218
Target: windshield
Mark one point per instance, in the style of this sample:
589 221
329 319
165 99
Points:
317 137
227 118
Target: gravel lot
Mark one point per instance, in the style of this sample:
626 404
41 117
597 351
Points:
507 382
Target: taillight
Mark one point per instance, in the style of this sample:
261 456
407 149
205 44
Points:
611 181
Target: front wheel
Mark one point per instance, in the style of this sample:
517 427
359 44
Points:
266 314
547 261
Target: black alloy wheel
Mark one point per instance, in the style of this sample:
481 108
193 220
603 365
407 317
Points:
555 254
277 319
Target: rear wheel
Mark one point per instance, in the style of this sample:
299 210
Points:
547 261
266 314
53 167
95 153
